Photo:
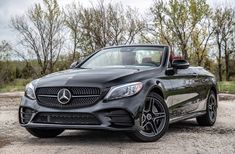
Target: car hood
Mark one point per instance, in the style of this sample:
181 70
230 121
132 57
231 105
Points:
87 77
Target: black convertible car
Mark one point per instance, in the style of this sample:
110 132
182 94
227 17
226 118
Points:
138 89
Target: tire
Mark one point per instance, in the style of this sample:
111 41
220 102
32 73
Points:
153 116
211 111
44 133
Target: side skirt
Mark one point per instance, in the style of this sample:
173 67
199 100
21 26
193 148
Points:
187 116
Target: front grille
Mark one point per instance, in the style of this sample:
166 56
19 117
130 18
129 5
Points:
81 97
73 90
66 118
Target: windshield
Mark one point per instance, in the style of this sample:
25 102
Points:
126 57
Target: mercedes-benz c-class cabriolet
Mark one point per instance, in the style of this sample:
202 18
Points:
138 89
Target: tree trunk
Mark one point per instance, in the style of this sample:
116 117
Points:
43 71
184 51
74 47
220 64
227 65
199 61
219 43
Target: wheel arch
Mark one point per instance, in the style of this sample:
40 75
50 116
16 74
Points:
157 90
214 89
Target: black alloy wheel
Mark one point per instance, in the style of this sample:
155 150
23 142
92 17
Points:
153 121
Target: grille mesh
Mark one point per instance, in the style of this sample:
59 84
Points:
73 90
86 96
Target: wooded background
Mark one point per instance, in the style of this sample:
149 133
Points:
50 38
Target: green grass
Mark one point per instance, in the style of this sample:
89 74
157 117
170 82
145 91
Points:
16 85
227 86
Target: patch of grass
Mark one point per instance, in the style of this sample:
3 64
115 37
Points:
227 86
16 85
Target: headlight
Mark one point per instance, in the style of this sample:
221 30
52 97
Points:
125 90
29 91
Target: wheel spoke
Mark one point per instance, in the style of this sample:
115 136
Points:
211 114
210 100
154 108
214 108
153 127
145 111
143 118
159 115
145 124
151 104
210 107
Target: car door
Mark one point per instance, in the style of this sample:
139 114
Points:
184 92
201 83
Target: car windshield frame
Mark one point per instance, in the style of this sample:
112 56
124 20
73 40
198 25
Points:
159 49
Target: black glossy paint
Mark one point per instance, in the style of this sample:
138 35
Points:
185 92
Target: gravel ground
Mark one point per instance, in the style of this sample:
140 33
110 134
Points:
184 137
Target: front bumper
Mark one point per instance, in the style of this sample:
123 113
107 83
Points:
117 115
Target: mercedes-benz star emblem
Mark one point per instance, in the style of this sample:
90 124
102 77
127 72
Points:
64 96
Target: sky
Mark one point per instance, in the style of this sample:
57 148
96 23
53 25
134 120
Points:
10 8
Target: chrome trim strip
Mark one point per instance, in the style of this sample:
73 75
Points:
76 96
85 96
46 95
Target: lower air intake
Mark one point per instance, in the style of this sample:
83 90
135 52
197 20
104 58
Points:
66 118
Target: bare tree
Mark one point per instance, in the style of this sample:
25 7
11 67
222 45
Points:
72 21
5 51
200 40
101 25
223 23
41 31
5 47
176 20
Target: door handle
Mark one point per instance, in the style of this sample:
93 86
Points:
194 74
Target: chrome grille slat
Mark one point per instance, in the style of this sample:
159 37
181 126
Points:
47 95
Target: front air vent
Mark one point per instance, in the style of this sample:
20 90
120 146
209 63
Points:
25 115
120 119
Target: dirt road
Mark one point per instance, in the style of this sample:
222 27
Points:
184 137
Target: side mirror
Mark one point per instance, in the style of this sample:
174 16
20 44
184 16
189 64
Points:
180 64
74 64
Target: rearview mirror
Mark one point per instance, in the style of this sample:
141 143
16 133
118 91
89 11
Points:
74 64
180 64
